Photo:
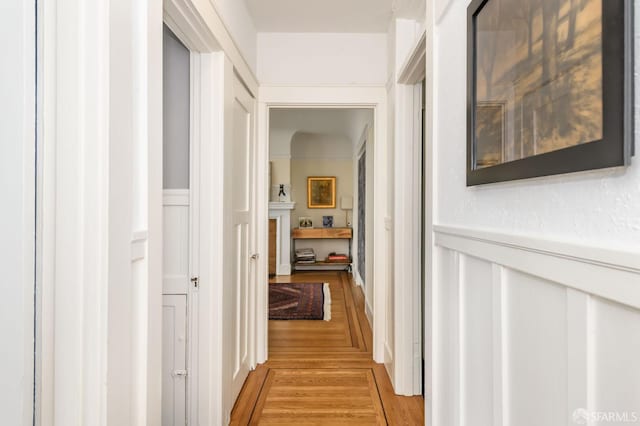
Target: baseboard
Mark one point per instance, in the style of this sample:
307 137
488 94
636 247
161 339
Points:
368 311
388 363
284 269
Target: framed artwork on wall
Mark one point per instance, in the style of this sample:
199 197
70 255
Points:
549 87
305 222
321 192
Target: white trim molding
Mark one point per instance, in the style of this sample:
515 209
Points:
413 70
430 330
212 87
520 318
327 97
139 241
175 197
102 178
408 240
18 214
281 212
610 274
75 205
199 26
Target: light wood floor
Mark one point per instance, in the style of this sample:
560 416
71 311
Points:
322 373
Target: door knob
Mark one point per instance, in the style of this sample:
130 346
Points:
255 256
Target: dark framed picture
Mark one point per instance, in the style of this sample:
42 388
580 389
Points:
327 221
549 87
321 192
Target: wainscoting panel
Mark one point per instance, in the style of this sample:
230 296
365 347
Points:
536 352
176 242
615 355
528 331
446 372
476 317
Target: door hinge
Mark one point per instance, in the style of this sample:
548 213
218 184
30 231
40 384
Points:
195 281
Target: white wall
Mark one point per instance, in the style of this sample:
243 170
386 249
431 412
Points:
598 208
101 195
320 146
176 115
17 189
135 212
536 296
280 142
322 59
239 24
280 155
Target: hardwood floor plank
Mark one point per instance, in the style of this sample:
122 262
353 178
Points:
322 373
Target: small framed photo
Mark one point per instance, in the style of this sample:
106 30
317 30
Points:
305 222
327 221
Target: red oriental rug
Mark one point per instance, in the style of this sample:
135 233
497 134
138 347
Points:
299 301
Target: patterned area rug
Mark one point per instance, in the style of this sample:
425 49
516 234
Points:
299 301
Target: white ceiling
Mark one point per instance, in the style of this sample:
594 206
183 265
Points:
330 16
347 123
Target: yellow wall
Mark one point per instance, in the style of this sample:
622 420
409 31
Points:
342 169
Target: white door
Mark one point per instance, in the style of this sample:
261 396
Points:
174 360
241 182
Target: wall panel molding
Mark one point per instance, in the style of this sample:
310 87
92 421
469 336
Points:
176 253
175 197
610 274
521 319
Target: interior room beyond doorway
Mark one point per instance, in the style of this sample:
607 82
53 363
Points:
308 148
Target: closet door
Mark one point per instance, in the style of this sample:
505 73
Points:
237 294
174 360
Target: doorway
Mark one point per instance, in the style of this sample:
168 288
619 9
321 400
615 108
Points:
209 243
177 289
308 146
373 99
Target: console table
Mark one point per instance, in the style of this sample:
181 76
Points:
322 234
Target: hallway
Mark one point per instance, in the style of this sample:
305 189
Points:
322 372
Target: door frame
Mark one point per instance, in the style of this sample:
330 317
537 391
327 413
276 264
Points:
407 377
375 98
18 220
215 61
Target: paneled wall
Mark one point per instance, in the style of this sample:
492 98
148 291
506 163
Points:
536 298
529 331
176 241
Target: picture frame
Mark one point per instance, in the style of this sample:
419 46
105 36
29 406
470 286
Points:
549 87
321 192
327 221
305 222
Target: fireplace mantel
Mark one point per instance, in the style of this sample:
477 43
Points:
281 212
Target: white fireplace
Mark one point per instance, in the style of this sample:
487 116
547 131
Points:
281 212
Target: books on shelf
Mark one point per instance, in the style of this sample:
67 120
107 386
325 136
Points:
305 255
338 258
